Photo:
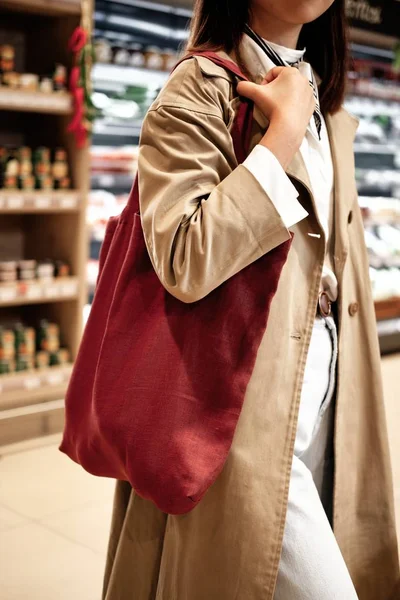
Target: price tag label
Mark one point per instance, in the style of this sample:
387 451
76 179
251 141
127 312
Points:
42 202
68 202
31 383
55 378
15 202
69 289
7 293
50 291
34 291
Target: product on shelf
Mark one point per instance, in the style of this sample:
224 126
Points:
28 81
25 349
28 270
62 269
11 79
60 170
60 78
18 169
169 59
103 51
60 357
46 85
137 57
45 270
7 344
7 58
25 340
154 59
121 56
42 359
48 336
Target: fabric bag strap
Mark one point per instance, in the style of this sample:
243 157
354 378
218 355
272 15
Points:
241 127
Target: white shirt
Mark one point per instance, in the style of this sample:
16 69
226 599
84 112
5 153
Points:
316 153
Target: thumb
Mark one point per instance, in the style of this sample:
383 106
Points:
248 89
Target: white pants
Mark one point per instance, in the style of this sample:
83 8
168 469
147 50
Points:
312 566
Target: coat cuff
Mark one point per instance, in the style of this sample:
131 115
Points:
268 171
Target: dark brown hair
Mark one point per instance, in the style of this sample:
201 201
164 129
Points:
219 24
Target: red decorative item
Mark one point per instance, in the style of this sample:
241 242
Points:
158 385
78 126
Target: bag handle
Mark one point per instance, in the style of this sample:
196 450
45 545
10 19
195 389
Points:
241 127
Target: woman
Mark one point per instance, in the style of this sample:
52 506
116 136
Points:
280 522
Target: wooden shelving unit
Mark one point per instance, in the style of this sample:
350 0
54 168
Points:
57 103
30 202
41 224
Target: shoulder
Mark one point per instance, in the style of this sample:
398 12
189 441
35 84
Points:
199 85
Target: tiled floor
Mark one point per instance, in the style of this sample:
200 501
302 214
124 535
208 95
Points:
54 518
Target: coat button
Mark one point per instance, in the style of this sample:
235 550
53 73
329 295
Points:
350 217
353 308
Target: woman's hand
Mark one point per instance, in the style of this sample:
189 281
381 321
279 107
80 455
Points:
286 98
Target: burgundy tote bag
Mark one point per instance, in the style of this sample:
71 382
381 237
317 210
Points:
158 385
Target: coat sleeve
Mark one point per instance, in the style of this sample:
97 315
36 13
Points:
204 217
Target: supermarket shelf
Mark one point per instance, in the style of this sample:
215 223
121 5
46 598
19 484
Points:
28 387
58 103
48 7
377 148
116 133
110 73
387 309
35 421
37 201
112 181
372 96
389 335
37 292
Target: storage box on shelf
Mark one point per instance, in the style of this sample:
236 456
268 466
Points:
38 222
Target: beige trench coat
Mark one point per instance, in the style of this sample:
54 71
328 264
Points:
205 219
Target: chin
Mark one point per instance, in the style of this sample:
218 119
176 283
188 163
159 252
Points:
296 12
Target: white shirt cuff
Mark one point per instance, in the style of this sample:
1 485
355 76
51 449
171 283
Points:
268 171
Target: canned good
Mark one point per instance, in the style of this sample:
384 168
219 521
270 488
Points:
41 154
7 366
29 81
7 343
25 340
11 79
8 276
8 265
62 268
27 264
45 270
10 182
48 336
42 359
60 78
60 165
46 85
61 357
24 153
62 184
22 363
7 58
27 182
44 182
27 274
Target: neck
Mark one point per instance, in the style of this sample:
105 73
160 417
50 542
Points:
275 30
